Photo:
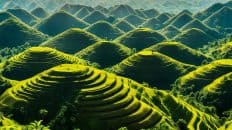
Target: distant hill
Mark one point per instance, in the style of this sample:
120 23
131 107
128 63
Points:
94 17
103 51
40 12
194 38
24 16
221 18
140 38
152 67
59 22
13 33
71 40
104 30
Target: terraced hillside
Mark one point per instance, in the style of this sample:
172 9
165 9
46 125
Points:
181 53
66 65
152 67
204 75
94 85
19 67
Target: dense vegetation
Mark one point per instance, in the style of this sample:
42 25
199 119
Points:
115 65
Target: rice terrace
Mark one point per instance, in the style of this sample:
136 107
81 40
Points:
115 65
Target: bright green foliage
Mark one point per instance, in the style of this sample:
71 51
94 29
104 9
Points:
152 67
202 76
103 100
35 60
181 53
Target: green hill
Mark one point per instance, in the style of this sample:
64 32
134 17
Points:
217 93
139 12
121 11
225 51
106 99
13 33
59 22
103 51
151 67
163 17
209 11
102 9
71 41
40 12
200 25
220 18
140 38
180 52
19 67
104 30
194 38
82 13
6 15
124 26
151 13
170 31
202 76
181 20
23 15
152 23
134 19
95 17
73 8
183 114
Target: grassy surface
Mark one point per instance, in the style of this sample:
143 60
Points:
71 41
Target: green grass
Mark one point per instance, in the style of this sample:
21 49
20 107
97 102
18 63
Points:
124 26
140 38
170 31
202 76
120 108
82 13
19 67
59 22
134 20
71 41
108 33
194 38
94 17
40 12
103 51
23 15
220 18
13 33
152 23
152 67
181 53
